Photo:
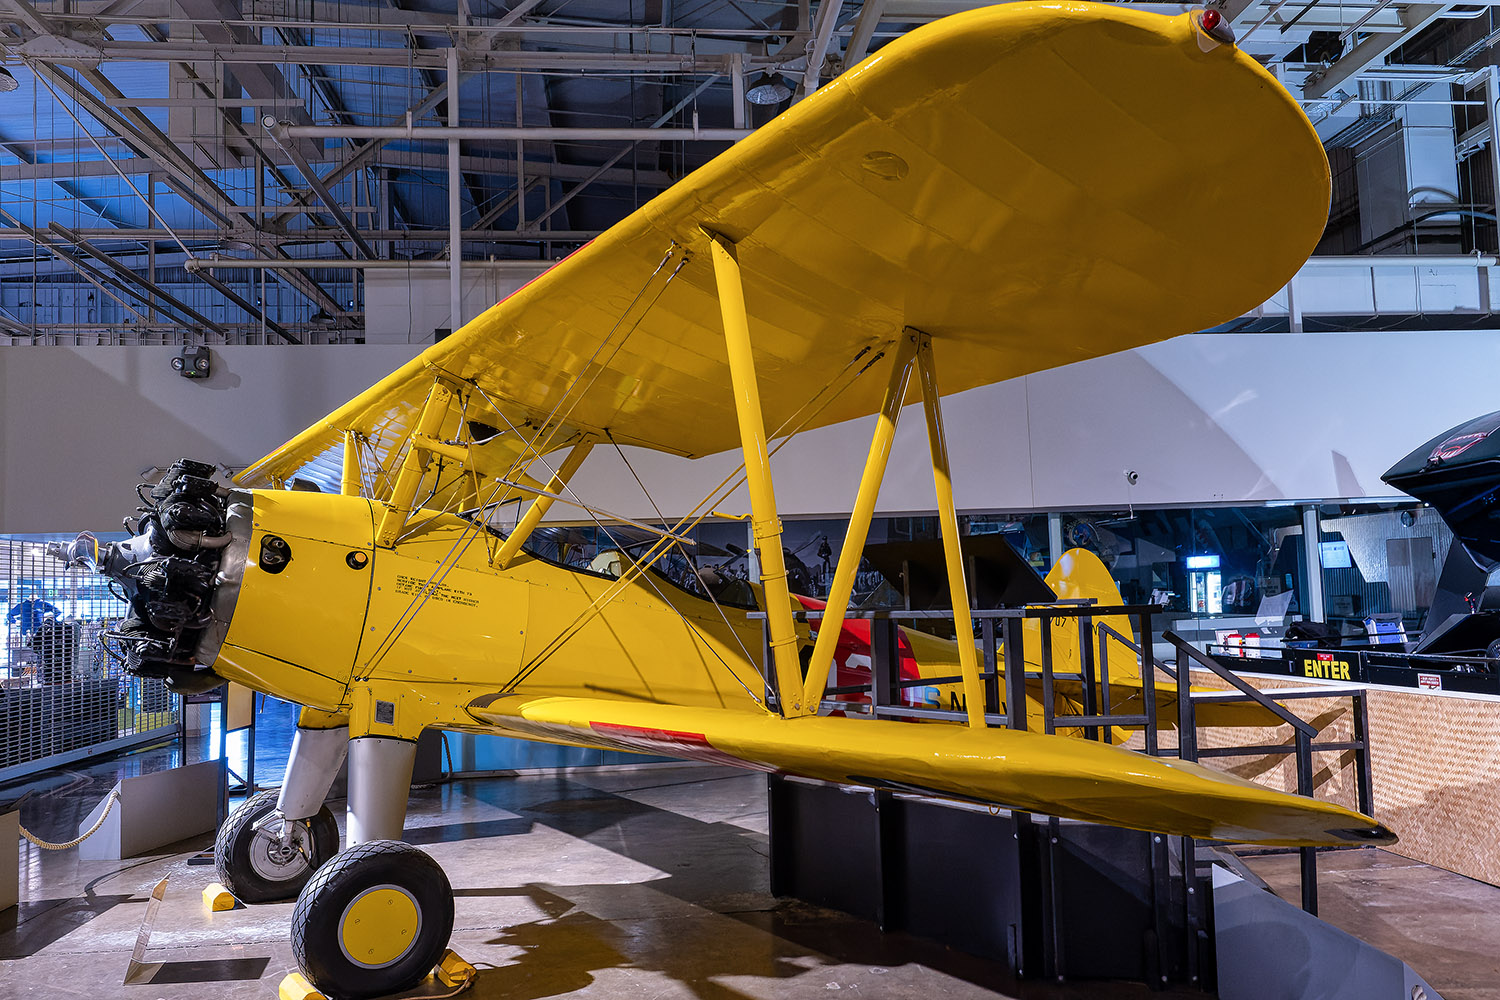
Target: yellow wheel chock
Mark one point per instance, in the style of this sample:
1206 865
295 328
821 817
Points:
216 898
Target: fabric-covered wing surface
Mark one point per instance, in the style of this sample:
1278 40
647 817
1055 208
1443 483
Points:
1031 184
1078 779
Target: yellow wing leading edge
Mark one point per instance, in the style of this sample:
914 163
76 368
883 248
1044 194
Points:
1078 779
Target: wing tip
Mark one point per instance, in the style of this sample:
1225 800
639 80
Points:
1377 834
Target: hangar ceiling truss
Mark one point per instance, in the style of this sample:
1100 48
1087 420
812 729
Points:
312 141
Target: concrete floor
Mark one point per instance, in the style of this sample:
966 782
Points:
646 882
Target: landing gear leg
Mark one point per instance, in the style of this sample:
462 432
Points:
377 917
379 784
270 846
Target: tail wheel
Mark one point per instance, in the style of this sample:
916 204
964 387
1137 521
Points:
374 920
259 864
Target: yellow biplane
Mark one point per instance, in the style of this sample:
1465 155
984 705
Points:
997 193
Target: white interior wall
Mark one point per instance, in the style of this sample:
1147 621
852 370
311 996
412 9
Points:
1209 418
81 423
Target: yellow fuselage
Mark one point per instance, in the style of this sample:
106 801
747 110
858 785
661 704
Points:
430 625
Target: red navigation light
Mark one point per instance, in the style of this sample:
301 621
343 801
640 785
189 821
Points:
1211 20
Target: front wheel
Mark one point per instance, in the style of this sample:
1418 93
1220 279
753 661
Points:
374 920
254 861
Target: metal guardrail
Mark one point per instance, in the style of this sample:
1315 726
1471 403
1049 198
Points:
1302 745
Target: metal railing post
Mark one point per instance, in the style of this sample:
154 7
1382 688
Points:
1192 906
989 664
1108 700
1187 726
1013 631
1049 703
1086 668
1148 688
1363 783
885 663
1308 856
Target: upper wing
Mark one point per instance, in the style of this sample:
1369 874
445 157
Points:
1031 184
1078 779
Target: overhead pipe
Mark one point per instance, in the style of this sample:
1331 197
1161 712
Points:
455 203
828 15
331 234
196 264
436 133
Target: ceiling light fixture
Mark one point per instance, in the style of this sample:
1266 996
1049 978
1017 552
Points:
7 81
768 90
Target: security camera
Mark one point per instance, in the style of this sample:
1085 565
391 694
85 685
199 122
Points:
1131 476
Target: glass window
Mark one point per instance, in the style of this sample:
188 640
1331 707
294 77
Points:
1216 563
1381 566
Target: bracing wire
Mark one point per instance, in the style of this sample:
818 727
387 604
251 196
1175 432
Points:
593 363
662 518
697 514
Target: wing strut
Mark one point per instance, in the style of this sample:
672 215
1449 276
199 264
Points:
942 481
404 492
765 521
352 482
543 502
842 586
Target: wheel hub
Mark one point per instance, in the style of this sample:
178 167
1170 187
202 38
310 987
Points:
379 926
280 851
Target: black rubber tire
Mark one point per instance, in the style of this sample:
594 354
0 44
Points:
316 923
237 839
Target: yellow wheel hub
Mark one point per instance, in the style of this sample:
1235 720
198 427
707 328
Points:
380 925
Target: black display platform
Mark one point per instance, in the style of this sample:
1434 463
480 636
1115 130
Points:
1053 899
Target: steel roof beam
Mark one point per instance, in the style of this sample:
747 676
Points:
243 303
311 179
544 133
304 284
260 79
99 281
311 236
63 184
137 132
133 127
864 29
366 153
172 301
608 164
1414 17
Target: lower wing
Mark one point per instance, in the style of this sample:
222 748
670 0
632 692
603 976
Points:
1076 779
